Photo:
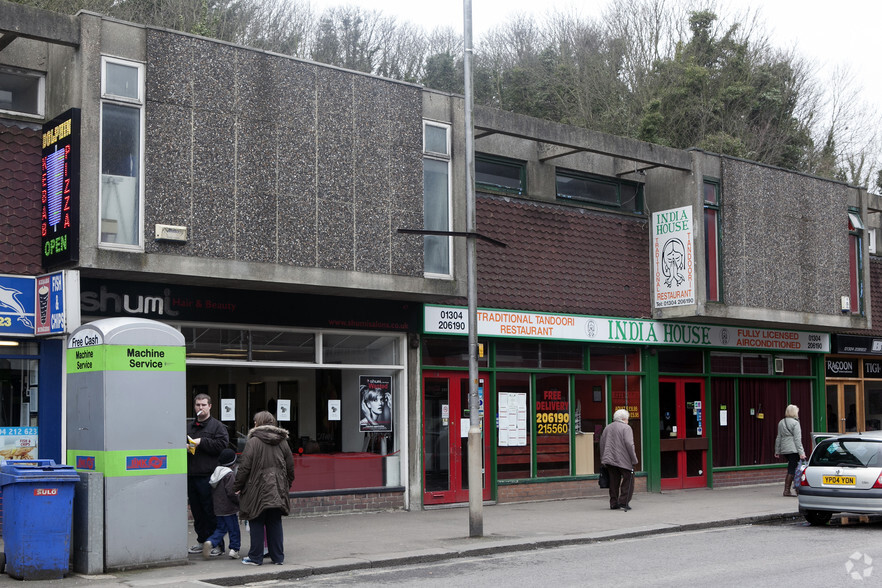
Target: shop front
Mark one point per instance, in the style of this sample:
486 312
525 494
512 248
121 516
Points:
332 371
854 384
704 400
34 316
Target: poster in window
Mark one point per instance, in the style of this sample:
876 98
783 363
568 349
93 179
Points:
375 393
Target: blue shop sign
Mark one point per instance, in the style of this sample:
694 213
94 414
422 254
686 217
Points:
16 305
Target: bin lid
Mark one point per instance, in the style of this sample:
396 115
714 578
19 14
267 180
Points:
35 470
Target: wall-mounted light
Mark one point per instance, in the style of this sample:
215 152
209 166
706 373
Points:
845 304
8 343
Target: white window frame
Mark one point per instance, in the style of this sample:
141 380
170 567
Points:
445 157
41 92
139 101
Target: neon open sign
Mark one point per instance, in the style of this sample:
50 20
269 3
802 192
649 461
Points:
60 183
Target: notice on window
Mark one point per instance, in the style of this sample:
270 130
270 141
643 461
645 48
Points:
512 419
283 409
552 413
228 409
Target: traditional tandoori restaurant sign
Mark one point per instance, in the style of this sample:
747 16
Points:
453 320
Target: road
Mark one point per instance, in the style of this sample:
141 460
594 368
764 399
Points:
792 554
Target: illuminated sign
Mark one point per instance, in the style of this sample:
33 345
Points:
60 185
674 261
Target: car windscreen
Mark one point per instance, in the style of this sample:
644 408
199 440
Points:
847 452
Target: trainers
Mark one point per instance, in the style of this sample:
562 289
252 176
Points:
195 548
207 548
234 554
249 562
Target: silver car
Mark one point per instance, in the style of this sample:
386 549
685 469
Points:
843 475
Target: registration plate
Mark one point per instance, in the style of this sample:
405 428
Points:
839 480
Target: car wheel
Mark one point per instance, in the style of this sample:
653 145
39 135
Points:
818 517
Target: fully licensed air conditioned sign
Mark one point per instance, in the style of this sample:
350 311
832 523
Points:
452 320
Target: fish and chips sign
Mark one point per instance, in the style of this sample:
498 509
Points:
674 257
450 320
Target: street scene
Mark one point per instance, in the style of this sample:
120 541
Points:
294 292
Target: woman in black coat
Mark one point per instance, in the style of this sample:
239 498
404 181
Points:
264 478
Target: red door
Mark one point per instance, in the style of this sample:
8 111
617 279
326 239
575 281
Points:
682 442
445 438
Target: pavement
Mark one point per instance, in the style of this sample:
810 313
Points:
325 544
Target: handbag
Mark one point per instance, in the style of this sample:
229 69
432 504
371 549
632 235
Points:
603 480
797 475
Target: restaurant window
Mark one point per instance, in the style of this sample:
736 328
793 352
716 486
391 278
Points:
553 426
499 174
615 359
712 239
625 394
538 354
855 262
579 187
437 216
22 92
122 154
681 361
514 459
590 419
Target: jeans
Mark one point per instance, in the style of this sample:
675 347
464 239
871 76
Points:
227 524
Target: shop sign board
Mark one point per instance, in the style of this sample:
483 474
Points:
673 257
451 320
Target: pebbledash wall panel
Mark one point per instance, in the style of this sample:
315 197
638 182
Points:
271 159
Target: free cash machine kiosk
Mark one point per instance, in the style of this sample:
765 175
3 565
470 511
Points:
126 418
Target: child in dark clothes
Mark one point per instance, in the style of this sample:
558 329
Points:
226 507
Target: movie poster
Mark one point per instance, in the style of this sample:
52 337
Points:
375 393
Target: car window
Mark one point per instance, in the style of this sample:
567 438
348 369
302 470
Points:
847 452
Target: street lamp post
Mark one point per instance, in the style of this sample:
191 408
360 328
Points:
475 477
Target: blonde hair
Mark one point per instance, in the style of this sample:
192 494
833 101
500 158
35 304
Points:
792 411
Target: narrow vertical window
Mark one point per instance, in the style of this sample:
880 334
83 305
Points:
436 198
122 154
855 262
712 240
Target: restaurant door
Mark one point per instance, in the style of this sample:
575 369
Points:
845 407
683 443
445 437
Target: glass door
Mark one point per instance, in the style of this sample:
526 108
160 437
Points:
845 407
682 441
445 438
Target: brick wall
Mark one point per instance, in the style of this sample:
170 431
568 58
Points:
557 490
747 477
340 503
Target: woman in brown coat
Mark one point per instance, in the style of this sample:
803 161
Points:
266 472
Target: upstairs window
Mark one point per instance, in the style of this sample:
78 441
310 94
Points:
609 192
712 239
855 262
499 174
22 92
436 198
122 154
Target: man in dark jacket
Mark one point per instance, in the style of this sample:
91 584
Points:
206 438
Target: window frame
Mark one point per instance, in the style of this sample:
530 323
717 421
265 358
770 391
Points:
855 262
713 285
637 208
138 102
518 165
429 155
40 79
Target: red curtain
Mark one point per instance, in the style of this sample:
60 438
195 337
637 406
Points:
723 395
762 404
801 396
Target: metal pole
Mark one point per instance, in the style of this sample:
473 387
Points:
475 452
